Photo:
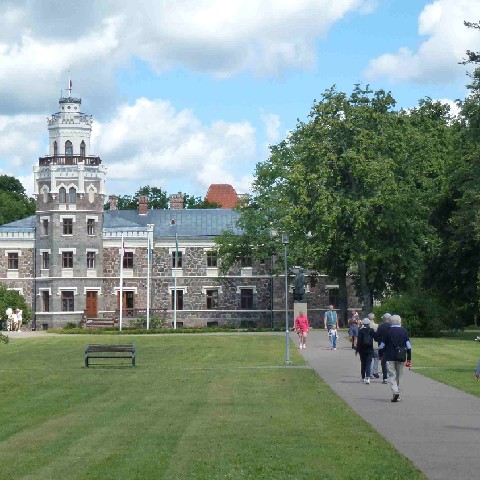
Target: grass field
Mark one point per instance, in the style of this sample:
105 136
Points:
196 407
451 360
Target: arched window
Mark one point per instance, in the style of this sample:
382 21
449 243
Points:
62 195
72 195
68 148
55 149
82 149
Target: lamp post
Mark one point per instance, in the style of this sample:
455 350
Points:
287 339
174 225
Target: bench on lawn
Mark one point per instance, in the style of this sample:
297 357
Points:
110 351
100 323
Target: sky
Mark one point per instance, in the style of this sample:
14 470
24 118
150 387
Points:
186 93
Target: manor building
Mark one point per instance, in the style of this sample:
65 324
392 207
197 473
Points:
65 259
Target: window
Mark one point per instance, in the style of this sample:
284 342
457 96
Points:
13 261
45 301
55 149
67 301
179 299
45 226
90 259
68 148
67 226
45 260
90 226
62 195
177 264
67 259
246 261
82 149
246 298
128 260
212 299
72 195
211 259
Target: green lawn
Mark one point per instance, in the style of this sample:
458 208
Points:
196 407
451 360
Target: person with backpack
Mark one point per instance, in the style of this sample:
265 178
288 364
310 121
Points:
397 351
364 348
381 332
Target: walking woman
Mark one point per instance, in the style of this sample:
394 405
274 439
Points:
365 349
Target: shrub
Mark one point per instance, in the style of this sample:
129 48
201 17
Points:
423 314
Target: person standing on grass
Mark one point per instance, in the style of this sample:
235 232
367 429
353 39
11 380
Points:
365 349
301 327
477 372
374 327
333 334
382 330
397 350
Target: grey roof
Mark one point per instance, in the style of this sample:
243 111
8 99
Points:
25 224
189 223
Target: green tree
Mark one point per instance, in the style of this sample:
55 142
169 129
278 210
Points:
14 203
192 202
350 187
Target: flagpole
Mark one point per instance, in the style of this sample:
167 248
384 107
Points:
122 251
149 258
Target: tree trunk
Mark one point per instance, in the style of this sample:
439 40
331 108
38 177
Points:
343 299
365 291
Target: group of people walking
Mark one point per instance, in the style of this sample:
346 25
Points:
387 344
393 348
14 320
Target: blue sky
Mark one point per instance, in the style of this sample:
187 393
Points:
185 93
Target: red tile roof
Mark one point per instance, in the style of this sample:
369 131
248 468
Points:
222 194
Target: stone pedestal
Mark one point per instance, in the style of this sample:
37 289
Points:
299 307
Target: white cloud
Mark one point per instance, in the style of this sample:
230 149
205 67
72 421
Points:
150 142
436 59
272 124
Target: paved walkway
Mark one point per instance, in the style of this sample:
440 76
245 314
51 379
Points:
436 426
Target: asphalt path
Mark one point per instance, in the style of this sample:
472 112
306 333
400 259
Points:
436 426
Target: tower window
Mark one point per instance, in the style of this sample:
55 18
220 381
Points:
82 149
62 195
67 259
45 226
67 301
90 259
90 226
55 149
246 298
68 148
46 300
45 260
72 195
179 299
67 226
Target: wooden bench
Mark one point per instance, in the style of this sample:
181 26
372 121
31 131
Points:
110 351
100 323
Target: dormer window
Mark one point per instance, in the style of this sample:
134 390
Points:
55 149
68 148
82 149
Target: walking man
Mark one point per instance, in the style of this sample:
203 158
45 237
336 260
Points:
330 318
382 330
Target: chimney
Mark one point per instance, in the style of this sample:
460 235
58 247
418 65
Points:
142 204
176 201
112 199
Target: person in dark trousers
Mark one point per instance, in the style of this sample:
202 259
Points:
396 337
382 330
364 348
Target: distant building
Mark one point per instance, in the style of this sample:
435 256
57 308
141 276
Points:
222 194
65 259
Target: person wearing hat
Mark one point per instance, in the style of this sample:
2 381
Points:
365 349
379 336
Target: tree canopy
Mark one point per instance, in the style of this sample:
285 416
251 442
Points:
14 203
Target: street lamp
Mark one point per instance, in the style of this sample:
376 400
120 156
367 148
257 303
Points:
287 339
174 225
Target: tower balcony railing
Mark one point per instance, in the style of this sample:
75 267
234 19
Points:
69 160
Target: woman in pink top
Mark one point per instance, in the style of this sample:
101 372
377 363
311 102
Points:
301 327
